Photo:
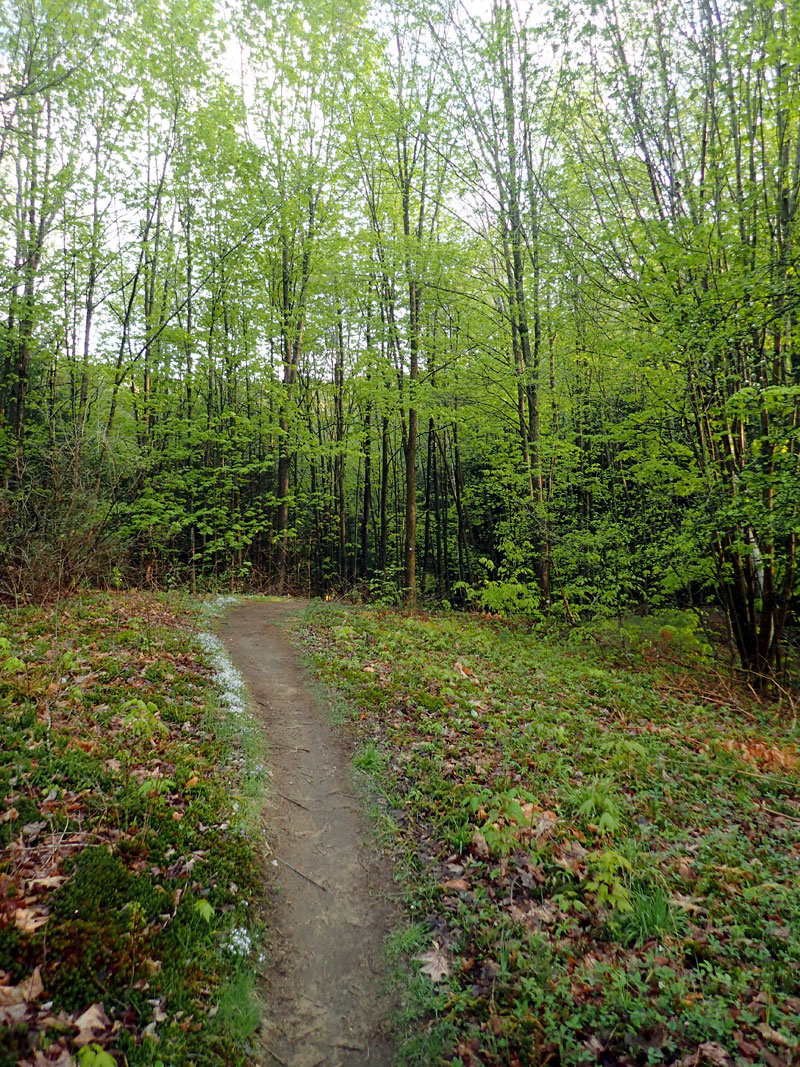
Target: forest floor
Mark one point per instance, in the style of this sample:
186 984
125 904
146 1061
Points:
597 835
330 913
131 868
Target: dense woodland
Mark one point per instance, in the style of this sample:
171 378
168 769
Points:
459 302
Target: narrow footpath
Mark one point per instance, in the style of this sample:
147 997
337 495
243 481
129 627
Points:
325 1005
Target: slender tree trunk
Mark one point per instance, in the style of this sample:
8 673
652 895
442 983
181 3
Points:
367 500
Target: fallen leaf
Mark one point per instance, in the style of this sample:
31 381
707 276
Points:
56 1056
29 920
457 885
24 993
715 1054
91 1025
480 846
50 881
31 830
435 963
545 824
775 1036
14 1013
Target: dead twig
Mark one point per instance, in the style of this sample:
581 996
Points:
275 1056
289 800
307 877
781 814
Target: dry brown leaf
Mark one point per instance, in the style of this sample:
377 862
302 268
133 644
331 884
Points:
50 881
435 963
23 993
774 1036
480 846
457 885
91 1025
29 920
687 903
545 824
14 1013
56 1056
715 1054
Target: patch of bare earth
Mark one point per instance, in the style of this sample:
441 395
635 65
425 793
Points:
325 1004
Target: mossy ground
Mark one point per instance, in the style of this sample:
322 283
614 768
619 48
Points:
599 840
125 856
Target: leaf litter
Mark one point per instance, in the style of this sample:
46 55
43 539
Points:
603 849
119 783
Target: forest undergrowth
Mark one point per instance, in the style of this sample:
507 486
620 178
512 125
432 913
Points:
129 870
598 839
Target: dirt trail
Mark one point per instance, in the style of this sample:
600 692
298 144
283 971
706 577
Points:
325 1005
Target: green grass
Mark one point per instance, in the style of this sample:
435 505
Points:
127 844
601 836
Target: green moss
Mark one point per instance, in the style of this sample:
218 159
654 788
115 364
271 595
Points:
13 1044
16 955
99 939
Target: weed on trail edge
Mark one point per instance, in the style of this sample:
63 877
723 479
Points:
599 851
129 870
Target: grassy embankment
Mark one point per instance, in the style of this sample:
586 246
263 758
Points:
128 861
600 842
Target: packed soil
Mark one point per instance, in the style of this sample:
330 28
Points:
332 909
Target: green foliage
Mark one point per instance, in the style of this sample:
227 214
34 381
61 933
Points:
94 1056
598 804
607 874
204 910
13 1043
651 916
142 719
511 598
369 759
239 1008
